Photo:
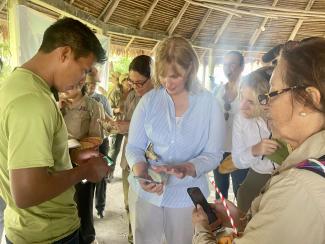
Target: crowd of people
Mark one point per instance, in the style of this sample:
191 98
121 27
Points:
60 135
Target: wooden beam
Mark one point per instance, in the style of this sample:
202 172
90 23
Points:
68 10
105 9
300 22
149 12
154 48
259 6
129 43
224 26
71 1
111 10
3 4
202 23
178 19
261 28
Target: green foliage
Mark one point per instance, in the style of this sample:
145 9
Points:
5 57
122 64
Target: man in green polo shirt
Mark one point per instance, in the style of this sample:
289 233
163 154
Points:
36 175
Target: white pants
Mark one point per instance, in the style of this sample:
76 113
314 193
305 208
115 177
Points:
157 225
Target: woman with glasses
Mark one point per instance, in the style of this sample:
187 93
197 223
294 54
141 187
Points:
290 209
250 137
184 126
139 78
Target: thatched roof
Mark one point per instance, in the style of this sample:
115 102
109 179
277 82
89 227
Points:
250 26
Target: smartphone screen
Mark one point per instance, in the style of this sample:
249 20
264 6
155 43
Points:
198 198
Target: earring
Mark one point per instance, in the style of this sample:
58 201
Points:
303 114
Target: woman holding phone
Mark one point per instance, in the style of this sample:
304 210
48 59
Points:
185 126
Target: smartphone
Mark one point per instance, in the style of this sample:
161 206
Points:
198 198
146 180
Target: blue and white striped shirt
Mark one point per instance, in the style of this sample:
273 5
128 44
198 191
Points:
197 138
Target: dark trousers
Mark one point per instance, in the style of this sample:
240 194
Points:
250 189
100 195
222 180
100 192
115 147
70 239
84 198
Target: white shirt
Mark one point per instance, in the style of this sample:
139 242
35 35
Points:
219 93
247 133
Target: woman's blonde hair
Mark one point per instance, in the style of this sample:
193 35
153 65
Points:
176 51
259 82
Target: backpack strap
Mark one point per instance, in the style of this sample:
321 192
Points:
315 165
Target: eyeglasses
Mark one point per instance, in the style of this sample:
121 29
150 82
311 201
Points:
137 84
265 98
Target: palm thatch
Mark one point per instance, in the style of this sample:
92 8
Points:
251 26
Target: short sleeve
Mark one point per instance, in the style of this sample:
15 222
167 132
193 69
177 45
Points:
30 127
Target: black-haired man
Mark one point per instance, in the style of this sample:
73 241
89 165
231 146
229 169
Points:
36 174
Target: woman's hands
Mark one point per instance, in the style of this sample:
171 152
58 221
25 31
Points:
141 170
265 147
179 170
199 217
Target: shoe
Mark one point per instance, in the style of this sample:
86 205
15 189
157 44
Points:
100 214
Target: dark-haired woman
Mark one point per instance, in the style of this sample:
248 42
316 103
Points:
139 79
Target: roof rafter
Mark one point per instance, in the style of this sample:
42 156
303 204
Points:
148 14
110 10
222 29
261 28
66 9
300 22
129 43
105 9
176 21
202 23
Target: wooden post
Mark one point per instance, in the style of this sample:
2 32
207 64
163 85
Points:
204 63
14 34
212 64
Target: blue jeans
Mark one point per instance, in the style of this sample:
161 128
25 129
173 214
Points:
222 180
70 239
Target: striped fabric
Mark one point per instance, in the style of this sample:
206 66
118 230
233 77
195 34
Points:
314 165
197 138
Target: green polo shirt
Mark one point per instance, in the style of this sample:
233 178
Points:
33 134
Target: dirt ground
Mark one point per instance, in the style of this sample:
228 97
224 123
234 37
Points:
113 229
